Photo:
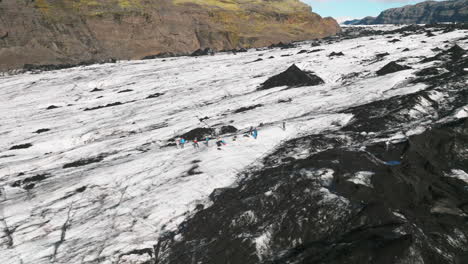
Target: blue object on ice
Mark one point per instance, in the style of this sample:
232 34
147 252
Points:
255 133
393 162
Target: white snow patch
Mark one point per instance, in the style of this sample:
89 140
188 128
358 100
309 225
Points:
436 95
329 197
326 176
262 245
362 178
415 131
399 215
459 174
396 138
462 113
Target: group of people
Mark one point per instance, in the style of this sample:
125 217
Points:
181 141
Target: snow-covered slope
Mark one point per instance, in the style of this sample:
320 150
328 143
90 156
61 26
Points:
87 168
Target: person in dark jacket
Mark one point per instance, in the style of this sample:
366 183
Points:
220 142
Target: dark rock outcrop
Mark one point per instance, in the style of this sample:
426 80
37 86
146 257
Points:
30 182
292 77
50 107
42 130
96 90
427 72
246 108
257 60
103 106
381 55
282 45
83 162
125 91
81 189
228 129
160 55
199 133
454 53
336 54
155 95
391 68
60 66
21 146
202 52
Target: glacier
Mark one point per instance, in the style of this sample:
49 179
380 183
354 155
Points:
110 181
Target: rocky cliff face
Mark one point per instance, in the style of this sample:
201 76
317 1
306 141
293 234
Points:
423 13
60 31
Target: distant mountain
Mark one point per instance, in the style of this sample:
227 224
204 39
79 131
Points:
423 13
351 22
70 32
365 21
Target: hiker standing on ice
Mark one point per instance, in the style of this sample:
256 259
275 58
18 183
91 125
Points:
284 126
195 144
177 141
254 133
182 142
207 139
220 142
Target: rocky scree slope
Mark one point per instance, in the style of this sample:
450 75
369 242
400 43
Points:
422 13
83 31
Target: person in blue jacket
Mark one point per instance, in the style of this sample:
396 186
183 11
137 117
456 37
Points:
182 142
254 133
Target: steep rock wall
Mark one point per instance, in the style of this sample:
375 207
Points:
72 31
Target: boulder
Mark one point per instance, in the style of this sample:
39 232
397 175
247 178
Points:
391 68
292 77
228 129
199 133
336 54
202 52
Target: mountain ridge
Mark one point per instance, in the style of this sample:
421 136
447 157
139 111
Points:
427 12
70 32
